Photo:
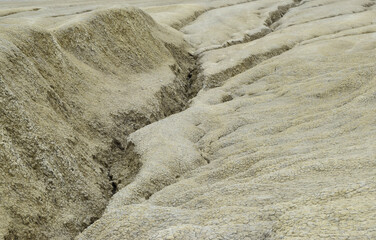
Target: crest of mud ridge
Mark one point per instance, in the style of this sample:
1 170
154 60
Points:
63 148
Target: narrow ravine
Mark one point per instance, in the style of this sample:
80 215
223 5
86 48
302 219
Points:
122 174
193 84
97 85
236 119
253 131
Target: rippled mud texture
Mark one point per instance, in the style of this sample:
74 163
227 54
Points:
198 120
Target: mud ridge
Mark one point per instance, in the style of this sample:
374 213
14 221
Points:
270 24
216 80
254 34
52 78
197 14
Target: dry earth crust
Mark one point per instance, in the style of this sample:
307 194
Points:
188 119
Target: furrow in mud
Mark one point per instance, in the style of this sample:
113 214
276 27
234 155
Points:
197 14
117 127
83 78
251 35
246 55
216 80
255 33
195 84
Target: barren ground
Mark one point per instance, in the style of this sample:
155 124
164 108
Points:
162 119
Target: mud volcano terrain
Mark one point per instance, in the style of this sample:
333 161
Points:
162 119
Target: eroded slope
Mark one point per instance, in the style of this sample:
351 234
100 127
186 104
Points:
69 96
282 149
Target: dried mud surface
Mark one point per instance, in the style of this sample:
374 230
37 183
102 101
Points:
189 120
